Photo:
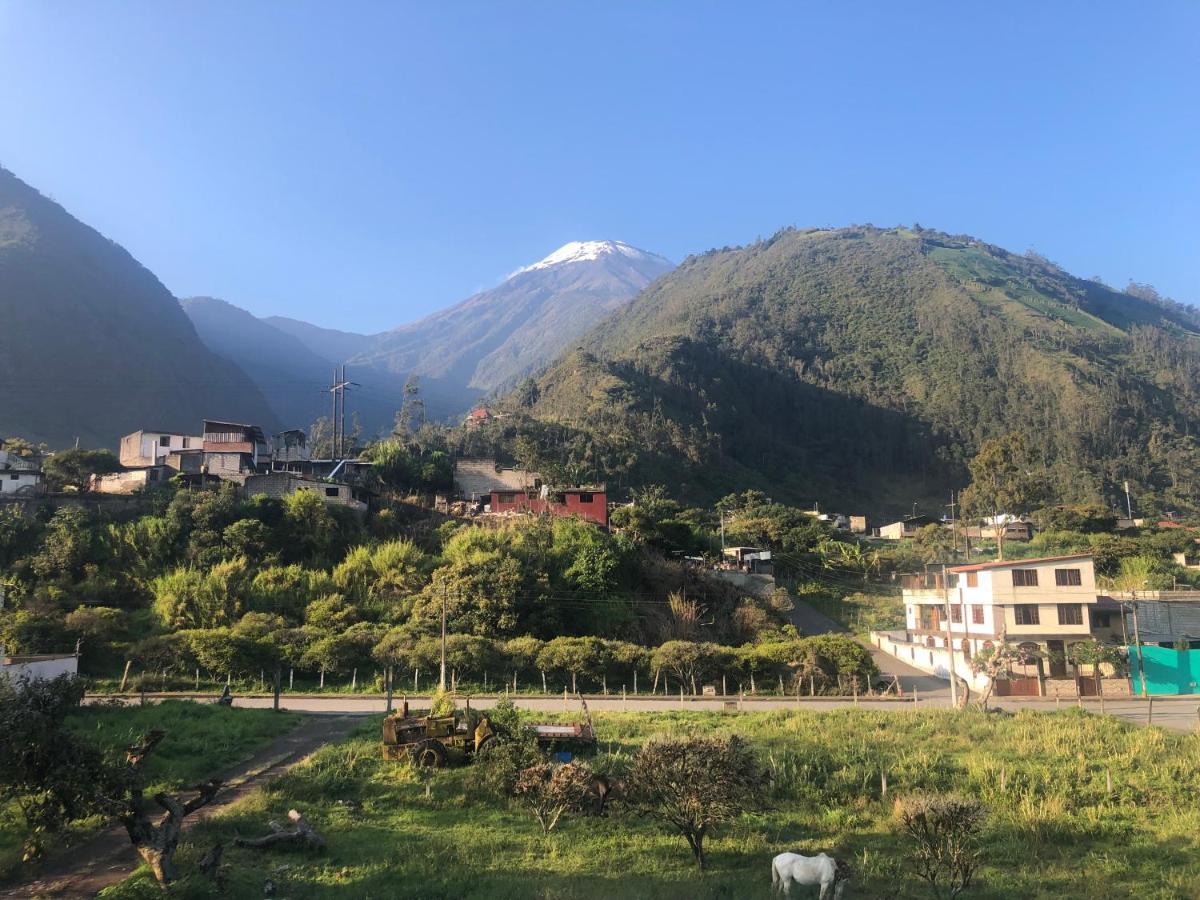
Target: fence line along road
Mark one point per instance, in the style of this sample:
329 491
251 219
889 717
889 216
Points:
1176 713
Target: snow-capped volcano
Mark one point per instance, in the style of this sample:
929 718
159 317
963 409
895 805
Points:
499 335
584 251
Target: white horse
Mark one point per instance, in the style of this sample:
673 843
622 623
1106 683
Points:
789 869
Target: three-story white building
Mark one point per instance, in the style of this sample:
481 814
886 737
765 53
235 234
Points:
1046 604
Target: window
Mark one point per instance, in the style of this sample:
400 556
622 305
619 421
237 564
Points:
13 477
1070 614
1024 577
976 614
585 498
956 615
1101 620
1067 578
1025 613
331 492
164 440
972 579
187 443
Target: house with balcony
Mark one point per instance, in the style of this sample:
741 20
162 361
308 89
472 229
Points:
1042 606
1045 604
233 449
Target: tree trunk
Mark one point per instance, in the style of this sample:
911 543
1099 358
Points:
302 837
573 691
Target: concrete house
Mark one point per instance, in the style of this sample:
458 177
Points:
150 448
475 478
906 528
1044 603
589 503
282 484
231 448
20 476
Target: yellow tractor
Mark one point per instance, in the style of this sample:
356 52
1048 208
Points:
435 741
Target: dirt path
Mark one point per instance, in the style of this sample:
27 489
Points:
106 858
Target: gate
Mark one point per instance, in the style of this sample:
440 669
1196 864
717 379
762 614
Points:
1018 687
1089 685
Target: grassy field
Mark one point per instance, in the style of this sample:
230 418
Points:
201 740
1053 830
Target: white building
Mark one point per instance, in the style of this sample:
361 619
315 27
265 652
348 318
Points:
36 667
150 448
20 476
1043 605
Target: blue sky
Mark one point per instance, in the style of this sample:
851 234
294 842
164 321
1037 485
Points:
361 164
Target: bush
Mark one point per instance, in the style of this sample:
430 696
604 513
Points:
549 791
946 831
690 785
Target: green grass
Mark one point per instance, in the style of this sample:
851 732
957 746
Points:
201 740
1053 830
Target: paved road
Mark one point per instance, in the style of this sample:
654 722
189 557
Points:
1179 714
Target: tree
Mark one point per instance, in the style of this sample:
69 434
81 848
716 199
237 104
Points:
46 769
686 660
573 655
548 791
694 784
412 411
992 662
946 832
74 468
1005 480
934 542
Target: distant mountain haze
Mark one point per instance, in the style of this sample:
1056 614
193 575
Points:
864 367
507 332
92 345
330 344
484 343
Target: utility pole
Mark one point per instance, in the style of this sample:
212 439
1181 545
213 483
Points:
338 389
442 678
949 638
1137 643
1128 502
953 523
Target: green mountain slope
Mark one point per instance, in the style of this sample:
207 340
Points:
863 367
92 345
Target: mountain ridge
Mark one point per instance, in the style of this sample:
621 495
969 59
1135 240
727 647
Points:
854 327
94 346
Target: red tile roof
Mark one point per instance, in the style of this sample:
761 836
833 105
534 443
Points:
979 567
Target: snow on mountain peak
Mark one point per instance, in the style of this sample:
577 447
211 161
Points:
583 251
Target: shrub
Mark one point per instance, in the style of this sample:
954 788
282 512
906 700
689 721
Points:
549 791
690 785
946 831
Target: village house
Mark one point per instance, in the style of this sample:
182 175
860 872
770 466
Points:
749 559
20 476
150 448
232 449
479 415
289 446
1040 606
1044 603
590 503
475 478
283 484
906 527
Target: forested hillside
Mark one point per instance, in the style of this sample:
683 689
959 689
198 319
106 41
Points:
92 345
864 367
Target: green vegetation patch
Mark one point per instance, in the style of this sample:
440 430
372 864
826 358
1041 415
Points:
1053 829
201 741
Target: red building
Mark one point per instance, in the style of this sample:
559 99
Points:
586 503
